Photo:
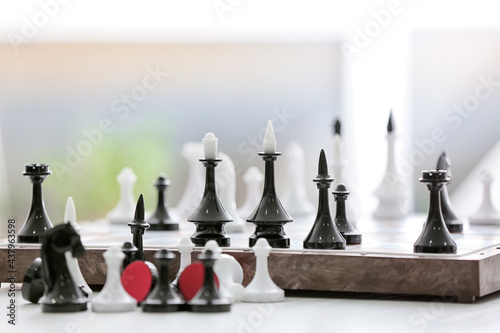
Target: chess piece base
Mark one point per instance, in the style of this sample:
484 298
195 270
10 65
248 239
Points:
273 242
267 297
114 307
324 246
210 307
64 307
201 241
435 249
455 227
352 239
163 226
29 239
162 307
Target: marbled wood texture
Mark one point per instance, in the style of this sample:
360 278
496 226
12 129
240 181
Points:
466 277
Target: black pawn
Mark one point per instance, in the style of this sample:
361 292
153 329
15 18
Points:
337 127
208 298
161 219
435 237
138 226
130 252
350 234
270 217
33 286
37 222
324 233
210 217
163 297
452 222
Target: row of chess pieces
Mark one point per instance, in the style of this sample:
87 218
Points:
211 285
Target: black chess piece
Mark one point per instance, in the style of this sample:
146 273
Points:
61 292
452 222
390 124
163 297
161 219
33 286
37 222
350 234
324 233
138 226
210 217
208 298
269 216
337 127
130 252
435 237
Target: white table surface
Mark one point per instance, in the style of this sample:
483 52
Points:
335 313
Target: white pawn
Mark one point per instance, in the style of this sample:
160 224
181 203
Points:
486 213
124 210
72 262
262 289
226 188
253 181
295 199
391 192
185 247
113 297
192 152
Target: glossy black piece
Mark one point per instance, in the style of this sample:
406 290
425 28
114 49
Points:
210 217
138 226
324 233
390 124
130 251
337 127
270 217
435 237
61 292
161 219
33 286
37 222
163 297
453 223
350 234
208 298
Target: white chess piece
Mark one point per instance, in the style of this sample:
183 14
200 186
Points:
391 193
226 188
262 288
113 297
253 180
185 247
295 199
192 152
486 213
72 262
124 210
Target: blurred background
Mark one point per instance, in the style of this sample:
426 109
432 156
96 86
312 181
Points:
92 87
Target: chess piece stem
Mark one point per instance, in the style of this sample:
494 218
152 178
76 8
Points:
161 219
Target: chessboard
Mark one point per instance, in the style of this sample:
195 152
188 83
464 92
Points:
384 263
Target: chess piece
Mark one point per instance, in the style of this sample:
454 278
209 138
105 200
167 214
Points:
33 287
130 251
210 217
435 237
350 234
391 192
138 226
113 297
37 222
191 280
125 207
295 198
452 222
191 151
185 247
208 298
139 278
269 216
230 274
262 288
324 233
73 267
62 294
163 298
161 219
253 180
338 165
226 185
486 213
